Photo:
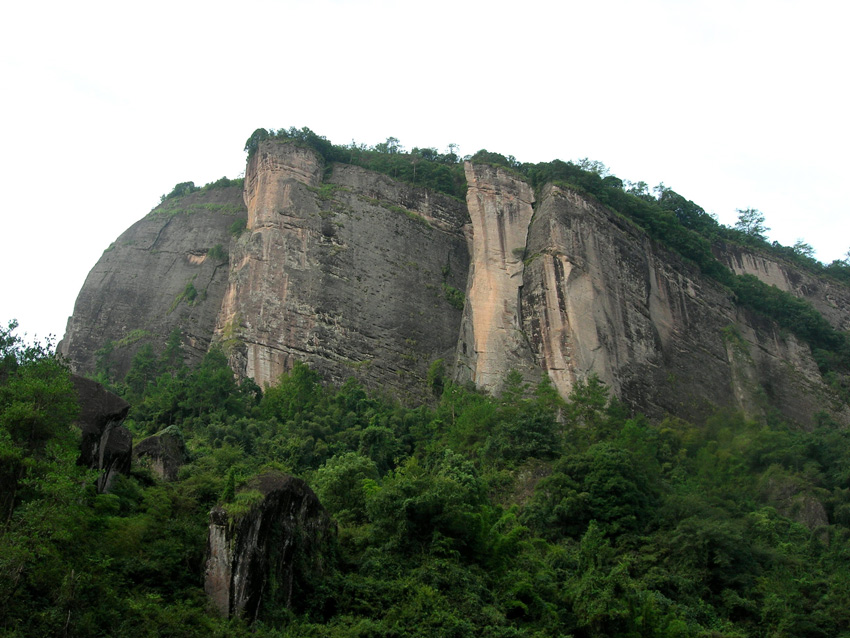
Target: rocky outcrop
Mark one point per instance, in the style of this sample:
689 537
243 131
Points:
491 340
794 497
830 298
106 445
163 453
350 274
166 272
599 297
359 275
267 549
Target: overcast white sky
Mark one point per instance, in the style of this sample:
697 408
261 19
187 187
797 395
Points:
107 105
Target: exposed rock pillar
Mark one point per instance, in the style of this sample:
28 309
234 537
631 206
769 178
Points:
269 550
500 209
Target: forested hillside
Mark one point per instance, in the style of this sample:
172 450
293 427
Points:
516 515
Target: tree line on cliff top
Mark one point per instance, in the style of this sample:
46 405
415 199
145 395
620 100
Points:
471 515
650 208
666 216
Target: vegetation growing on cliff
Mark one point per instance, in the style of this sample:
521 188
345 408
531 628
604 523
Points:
422 166
519 515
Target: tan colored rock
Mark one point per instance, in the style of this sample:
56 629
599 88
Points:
830 298
500 210
347 274
600 298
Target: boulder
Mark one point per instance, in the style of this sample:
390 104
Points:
163 453
267 548
106 445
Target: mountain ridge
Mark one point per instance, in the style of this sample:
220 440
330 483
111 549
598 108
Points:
359 274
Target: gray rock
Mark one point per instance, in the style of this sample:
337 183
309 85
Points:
137 291
359 275
266 551
106 445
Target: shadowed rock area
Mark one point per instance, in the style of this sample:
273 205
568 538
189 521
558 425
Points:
267 548
106 445
164 453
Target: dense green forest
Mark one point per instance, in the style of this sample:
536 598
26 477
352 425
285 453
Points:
516 515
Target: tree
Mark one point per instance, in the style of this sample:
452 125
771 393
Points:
751 223
391 146
803 249
253 142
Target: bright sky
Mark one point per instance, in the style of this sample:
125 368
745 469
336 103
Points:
107 105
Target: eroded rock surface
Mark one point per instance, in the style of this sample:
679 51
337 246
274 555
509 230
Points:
163 273
270 555
830 298
360 275
106 445
491 341
600 298
350 274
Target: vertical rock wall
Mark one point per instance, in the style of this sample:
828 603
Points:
491 341
270 555
348 274
360 275
830 298
600 298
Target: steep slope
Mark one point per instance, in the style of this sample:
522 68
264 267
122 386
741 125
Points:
362 275
163 273
600 297
830 298
350 275
491 341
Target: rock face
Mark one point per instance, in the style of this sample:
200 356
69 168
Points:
269 555
164 453
491 340
830 298
360 275
163 273
106 445
350 276
599 297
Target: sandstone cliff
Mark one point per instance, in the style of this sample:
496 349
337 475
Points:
360 275
349 273
492 341
600 297
830 298
163 273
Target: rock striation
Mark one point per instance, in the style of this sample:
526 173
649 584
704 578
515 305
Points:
600 298
360 275
162 274
267 554
348 273
106 445
830 298
491 340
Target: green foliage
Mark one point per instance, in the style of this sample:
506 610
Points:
181 190
217 253
455 297
517 515
238 226
751 224
421 167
